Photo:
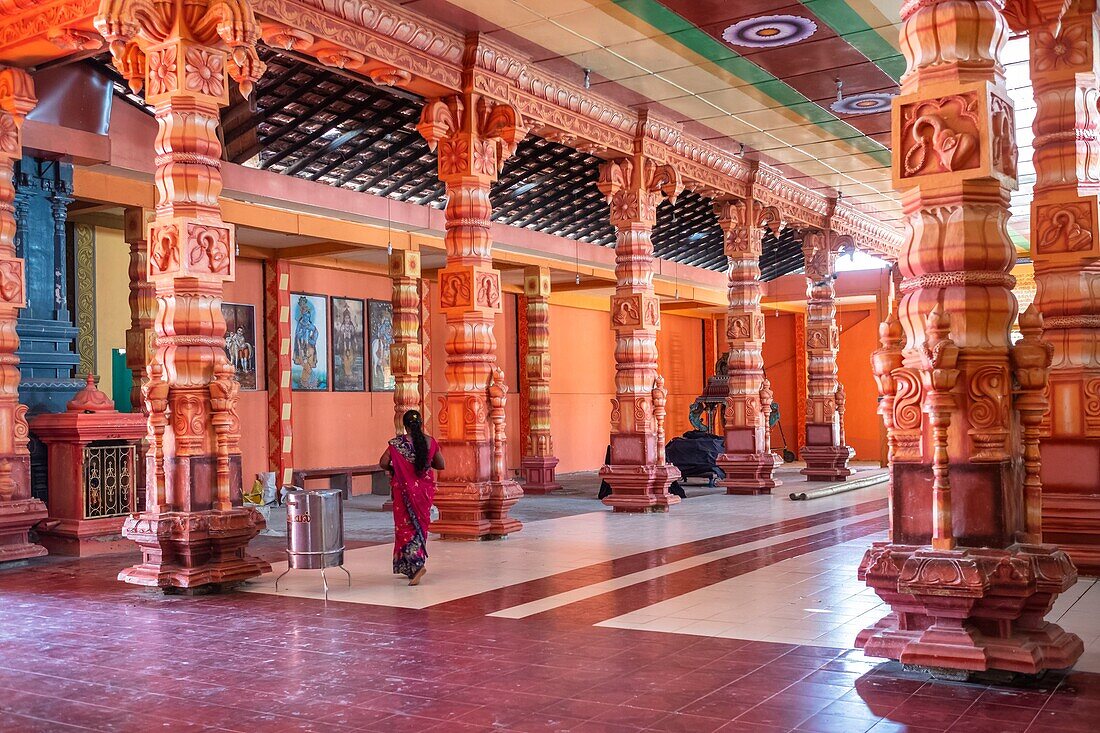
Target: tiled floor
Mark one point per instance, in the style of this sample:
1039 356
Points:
585 622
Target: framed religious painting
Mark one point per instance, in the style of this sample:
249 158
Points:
349 366
380 327
308 342
240 341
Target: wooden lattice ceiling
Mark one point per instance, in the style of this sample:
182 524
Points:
323 125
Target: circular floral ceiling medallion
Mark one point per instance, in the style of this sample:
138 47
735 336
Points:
769 31
867 103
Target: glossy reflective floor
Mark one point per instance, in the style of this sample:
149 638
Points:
730 613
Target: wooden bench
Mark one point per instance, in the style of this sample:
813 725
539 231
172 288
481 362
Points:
341 477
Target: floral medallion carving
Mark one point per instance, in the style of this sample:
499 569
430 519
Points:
1068 48
204 71
160 71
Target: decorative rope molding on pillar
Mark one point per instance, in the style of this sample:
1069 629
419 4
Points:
634 187
194 531
18 511
963 505
472 136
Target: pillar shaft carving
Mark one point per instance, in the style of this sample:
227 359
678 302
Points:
194 530
538 463
472 136
1065 245
280 436
825 453
18 511
960 466
406 357
143 302
634 187
747 459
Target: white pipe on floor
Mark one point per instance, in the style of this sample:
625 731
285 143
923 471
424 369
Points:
840 488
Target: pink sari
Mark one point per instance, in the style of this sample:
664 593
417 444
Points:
412 505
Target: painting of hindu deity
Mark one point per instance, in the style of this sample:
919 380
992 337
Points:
309 342
381 339
348 358
240 341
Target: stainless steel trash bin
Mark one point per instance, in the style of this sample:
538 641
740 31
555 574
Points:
314 531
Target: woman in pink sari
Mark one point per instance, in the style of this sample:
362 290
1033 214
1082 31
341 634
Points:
409 459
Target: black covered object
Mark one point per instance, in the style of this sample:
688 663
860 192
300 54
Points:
696 453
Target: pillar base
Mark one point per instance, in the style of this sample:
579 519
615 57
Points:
85 538
476 511
826 462
16 519
193 549
640 488
749 473
970 610
538 474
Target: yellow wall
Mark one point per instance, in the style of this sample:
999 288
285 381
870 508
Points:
112 292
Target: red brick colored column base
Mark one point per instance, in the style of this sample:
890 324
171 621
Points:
826 462
471 505
640 488
538 474
1071 507
970 610
476 511
190 549
748 470
16 519
85 537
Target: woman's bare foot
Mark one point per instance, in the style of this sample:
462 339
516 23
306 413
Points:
418 577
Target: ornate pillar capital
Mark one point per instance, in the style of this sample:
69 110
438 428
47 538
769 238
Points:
634 187
472 135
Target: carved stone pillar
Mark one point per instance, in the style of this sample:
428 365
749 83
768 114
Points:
967 594
143 302
18 511
194 531
280 434
825 453
538 463
747 460
1065 247
635 187
406 360
474 137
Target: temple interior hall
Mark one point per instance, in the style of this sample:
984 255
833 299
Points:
514 365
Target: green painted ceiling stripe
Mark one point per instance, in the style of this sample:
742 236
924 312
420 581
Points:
688 35
851 26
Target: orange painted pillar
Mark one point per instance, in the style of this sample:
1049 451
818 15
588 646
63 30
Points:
538 462
1065 247
825 453
406 358
473 137
747 460
968 592
143 302
18 511
638 475
280 431
194 531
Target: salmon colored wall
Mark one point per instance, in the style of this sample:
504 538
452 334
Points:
780 366
340 428
252 408
582 383
680 361
858 338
